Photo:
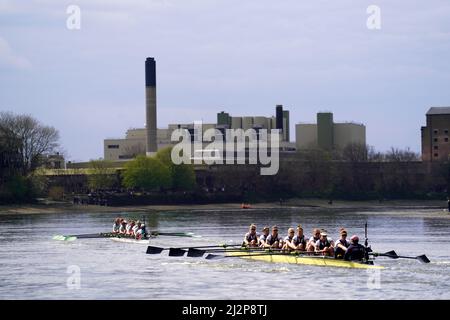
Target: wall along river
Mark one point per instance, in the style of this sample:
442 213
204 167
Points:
33 266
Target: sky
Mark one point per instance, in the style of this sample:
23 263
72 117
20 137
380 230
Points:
242 57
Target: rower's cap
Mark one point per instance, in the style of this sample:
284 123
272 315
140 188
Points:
323 234
266 229
354 238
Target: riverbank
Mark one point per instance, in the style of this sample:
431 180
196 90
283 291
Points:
67 207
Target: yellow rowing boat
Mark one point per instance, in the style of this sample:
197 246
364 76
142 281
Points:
278 257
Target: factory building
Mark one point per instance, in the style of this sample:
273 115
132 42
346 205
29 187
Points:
327 134
435 135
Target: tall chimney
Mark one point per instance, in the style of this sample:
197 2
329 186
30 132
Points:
150 103
279 116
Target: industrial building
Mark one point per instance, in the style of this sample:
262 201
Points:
435 135
150 139
327 134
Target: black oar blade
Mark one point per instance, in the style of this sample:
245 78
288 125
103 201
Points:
175 252
423 258
391 253
213 256
154 250
195 253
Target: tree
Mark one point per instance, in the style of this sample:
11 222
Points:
146 173
355 152
183 175
101 175
398 155
35 138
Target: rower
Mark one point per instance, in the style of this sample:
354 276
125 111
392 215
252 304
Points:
288 240
136 227
141 233
130 227
325 245
263 237
251 237
273 240
341 245
123 226
116 226
355 251
299 240
311 246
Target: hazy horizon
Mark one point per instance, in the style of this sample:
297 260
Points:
241 57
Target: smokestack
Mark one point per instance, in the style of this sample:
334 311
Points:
279 116
150 104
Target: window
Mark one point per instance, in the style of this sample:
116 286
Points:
436 131
436 147
435 139
446 131
113 146
436 155
446 139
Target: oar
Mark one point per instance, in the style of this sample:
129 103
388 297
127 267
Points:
77 236
156 250
393 255
175 234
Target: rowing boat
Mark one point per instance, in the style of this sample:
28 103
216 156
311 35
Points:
130 240
291 258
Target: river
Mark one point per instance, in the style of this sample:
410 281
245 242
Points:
33 266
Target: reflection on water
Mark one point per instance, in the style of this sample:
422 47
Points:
35 267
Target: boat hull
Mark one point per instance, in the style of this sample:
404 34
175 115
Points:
302 259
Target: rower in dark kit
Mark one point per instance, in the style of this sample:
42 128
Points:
273 240
325 245
311 246
263 237
341 245
355 252
251 237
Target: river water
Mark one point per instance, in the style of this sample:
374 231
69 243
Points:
33 266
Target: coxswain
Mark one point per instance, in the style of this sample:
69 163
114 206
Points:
325 245
263 236
355 251
273 241
299 240
287 245
341 245
251 237
311 246
116 226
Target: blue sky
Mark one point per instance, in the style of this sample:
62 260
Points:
243 57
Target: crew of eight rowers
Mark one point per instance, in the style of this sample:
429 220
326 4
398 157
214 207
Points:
319 243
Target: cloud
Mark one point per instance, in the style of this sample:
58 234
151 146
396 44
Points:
9 59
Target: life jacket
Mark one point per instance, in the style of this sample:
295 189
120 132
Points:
296 240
